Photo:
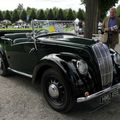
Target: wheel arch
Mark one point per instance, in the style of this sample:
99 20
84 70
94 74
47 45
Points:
55 62
42 66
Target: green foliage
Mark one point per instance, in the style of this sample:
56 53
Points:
70 15
50 15
7 15
104 6
1 15
33 14
28 10
20 7
65 12
118 11
15 16
55 12
75 14
81 14
60 15
23 15
41 15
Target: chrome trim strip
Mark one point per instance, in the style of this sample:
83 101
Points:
21 73
98 94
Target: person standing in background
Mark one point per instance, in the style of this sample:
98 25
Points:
111 27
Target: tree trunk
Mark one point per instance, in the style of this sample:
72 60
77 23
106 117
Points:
91 17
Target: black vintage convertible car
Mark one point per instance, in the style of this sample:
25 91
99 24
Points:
69 68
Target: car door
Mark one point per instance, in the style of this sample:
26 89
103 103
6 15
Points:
21 56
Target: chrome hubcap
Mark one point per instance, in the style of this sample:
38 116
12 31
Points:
53 91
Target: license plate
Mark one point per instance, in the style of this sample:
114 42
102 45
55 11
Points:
115 93
105 99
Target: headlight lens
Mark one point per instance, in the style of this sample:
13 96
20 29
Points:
82 67
117 58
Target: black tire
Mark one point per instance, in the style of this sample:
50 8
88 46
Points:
63 102
3 69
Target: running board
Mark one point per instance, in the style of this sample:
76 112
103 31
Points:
21 73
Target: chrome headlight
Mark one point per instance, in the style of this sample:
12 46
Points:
117 58
82 67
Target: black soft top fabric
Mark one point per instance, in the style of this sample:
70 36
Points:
15 35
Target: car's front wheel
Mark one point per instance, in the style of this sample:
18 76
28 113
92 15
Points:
57 91
3 69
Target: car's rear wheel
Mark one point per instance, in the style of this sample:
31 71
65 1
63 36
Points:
56 91
3 69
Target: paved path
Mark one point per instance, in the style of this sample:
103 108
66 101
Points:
20 100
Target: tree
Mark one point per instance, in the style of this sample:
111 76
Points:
75 14
95 9
91 17
65 12
15 16
103 8
70 15
1 15
20 7
50 15
33 14
55 12
41 15
7 15
23 15
118 11
28 10
60 15
81 14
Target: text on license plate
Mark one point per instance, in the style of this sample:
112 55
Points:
105 99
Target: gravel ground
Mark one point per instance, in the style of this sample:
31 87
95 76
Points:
21 100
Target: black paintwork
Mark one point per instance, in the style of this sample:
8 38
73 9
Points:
25 55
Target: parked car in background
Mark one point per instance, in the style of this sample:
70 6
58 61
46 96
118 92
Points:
70 69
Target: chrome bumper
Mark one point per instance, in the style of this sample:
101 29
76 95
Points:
98 94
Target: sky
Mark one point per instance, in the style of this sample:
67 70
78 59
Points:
42 4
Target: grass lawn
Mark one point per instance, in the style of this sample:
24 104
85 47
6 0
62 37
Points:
10 29
68 29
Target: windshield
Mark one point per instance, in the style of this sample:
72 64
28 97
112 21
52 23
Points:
42 27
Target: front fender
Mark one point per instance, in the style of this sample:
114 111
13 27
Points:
65 65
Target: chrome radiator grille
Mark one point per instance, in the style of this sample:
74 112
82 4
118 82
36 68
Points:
104 59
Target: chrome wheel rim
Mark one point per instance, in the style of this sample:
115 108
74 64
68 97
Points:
56 92
53 91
